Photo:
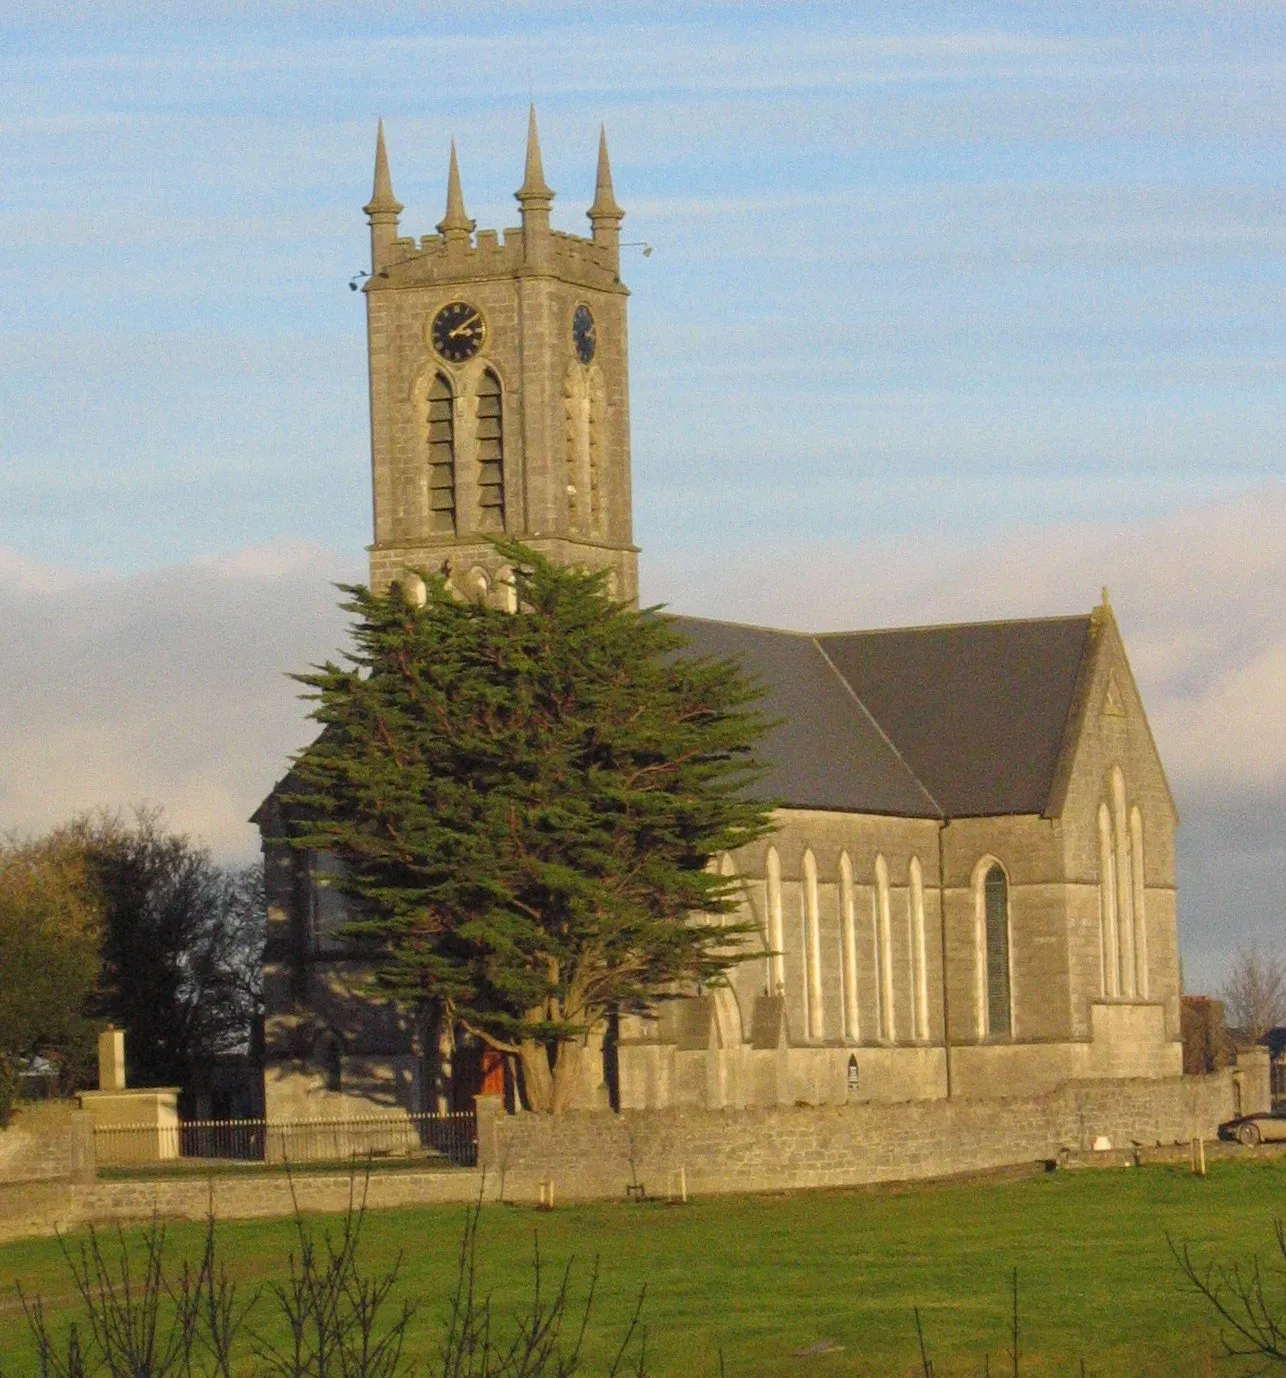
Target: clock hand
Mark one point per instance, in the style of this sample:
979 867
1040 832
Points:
463 328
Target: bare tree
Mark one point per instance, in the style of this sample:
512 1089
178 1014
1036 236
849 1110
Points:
1254 995
1247 1299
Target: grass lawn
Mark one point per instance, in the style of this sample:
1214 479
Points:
762 1277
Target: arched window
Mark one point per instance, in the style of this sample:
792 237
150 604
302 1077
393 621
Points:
1140 915
995 905
491 455
1110 964
883 926
848 948
813 950
776 945
1124 883
919 971
440 422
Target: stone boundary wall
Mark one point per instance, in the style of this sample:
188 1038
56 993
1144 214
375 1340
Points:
591 1154
595 1154
66 1206
47 1141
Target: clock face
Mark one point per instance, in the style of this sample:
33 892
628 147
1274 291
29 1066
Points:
583 336
458 331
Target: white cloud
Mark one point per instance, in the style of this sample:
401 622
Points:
1200 597
170 686
1201 600
167 687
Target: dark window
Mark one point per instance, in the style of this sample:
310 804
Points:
996 894
441 437
491 455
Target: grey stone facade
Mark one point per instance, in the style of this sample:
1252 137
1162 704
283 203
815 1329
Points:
966 899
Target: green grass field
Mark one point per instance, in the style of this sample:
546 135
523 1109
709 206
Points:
761 1277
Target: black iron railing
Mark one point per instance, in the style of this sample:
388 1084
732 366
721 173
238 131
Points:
437 1139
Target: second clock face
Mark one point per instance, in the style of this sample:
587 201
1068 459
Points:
458 331
583 333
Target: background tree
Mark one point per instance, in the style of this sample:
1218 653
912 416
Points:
182 944
50 932
527 805
1254 995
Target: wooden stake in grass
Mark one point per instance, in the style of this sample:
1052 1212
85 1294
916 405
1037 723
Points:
1014 1349
926 1364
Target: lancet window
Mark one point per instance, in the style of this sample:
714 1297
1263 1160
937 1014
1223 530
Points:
812 950
440 423
491 454
882 924
848 948
777 957
919 966
1122 894
995 898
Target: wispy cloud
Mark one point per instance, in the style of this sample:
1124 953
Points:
170 685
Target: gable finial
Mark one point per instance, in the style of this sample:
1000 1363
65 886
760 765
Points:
455 225
1106 601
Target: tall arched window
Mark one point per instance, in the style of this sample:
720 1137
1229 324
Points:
848 947
440 425
812 949
776 945
491 455
1140 914
995 904
919 965
1111 970
1124 882
883 925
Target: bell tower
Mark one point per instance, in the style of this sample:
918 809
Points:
499 387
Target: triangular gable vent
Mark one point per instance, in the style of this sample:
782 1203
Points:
1113 704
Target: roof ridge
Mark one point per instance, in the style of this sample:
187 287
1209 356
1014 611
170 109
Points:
959 626
884 736
746 626
882 631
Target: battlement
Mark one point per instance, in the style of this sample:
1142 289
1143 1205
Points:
456 254
494 253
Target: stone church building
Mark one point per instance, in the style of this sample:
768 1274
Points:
971 889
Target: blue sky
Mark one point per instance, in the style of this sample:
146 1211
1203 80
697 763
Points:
932 285
979 267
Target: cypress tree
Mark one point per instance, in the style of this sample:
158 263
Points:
528 807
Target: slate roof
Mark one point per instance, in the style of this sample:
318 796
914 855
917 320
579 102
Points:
958 721
953 721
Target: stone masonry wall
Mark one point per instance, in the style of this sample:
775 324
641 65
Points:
50 1206
592 1154
595 1155
44 1142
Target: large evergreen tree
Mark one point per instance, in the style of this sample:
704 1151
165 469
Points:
528 805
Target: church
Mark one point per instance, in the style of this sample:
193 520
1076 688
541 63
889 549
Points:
970 891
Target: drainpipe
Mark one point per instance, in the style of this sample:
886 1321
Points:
942 922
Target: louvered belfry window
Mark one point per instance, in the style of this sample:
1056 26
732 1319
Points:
441 426
491 455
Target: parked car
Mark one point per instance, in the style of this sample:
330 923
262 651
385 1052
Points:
1255 1129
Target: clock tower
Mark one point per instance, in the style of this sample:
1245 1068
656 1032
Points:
499 389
